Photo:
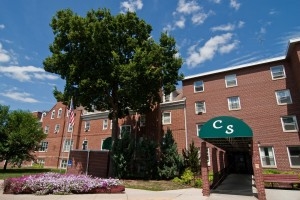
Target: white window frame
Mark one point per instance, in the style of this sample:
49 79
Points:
167 97
230 103
111 124
63 163
231 81
87 126
282 72
52 114
70 127
272 156
295 123
40 161
57 127
208 156
198 85
290 160
142 120
105 124
68 145
198 109
198 128
59 113
166 119
46 129
43 146
85 144
285 94
122 127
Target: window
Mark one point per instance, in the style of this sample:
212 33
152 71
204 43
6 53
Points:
198 86
142 120
59 113
43 146
198 129
70 127
267 156
52 114
166 118
85 145
40 161
294 156
111 123
56 130
231 80
200 107
283 97
68 145
124 129
87 126
167 98
46 129
234 103
63 163
277 72
105 124
289 123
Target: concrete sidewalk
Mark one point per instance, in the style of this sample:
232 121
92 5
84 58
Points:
134 194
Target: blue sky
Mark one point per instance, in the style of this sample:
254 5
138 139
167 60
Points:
210 34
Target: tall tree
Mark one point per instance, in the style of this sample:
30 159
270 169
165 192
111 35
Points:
22 134
111 62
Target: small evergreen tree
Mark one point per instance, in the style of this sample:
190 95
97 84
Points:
170 162
122 154
191 158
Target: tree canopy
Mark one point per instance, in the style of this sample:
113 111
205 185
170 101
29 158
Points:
111 62
20 133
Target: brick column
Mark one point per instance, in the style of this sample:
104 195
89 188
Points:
204 170
214 163
257 170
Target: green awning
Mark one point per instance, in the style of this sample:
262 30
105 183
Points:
225 127
107 143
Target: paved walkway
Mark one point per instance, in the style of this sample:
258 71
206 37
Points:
234 187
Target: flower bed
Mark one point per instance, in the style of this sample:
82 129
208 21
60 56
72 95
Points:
55 183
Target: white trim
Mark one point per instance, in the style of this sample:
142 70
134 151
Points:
292 166
272 75
294 120
235 80
163 121
280 58
201 85
278 97
229 103
260 156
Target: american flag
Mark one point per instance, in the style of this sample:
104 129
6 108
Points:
71 113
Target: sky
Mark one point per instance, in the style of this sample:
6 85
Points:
209 34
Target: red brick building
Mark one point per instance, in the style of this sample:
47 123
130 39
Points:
264 95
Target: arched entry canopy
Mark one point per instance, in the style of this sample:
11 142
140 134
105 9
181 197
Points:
227 133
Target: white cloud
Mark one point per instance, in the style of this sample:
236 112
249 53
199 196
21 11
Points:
2 26
199 18
131 5
4 55
26 73
187 7
224 27
241 24
218 44
181 22
234 4
19 96
216 1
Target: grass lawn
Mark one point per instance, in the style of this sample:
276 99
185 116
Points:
153 185
17 172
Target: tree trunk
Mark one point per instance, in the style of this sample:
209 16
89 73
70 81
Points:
114 136
5 165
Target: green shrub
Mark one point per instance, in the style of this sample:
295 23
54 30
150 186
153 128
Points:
198 183
187 176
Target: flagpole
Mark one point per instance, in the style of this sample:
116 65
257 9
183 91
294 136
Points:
71 119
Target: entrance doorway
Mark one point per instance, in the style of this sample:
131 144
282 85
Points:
239 163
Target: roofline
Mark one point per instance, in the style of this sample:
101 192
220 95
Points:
293 40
